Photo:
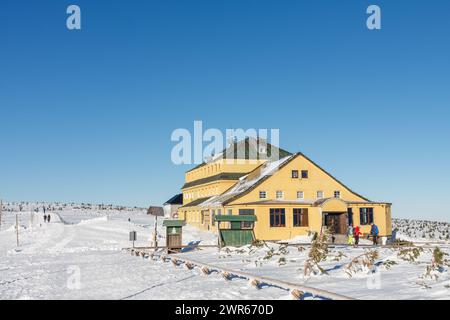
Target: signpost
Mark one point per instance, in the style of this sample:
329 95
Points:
133 236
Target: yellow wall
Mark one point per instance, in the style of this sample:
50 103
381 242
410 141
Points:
381 217
263 230
206 190
220 166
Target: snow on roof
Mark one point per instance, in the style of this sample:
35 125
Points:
247 181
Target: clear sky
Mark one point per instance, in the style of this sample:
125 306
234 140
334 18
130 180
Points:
86 116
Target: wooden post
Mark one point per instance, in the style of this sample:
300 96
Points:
296 294
155 236
205 270
219 236
17 229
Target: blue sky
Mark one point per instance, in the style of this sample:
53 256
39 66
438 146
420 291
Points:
87 115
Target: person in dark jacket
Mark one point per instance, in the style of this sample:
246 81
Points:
374 233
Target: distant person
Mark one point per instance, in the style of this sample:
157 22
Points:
356 234
394 235
350 235
48 218
374 233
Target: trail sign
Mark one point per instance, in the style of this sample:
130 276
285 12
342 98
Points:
133 236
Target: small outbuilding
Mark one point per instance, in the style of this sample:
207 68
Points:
155 211
174 234
236 231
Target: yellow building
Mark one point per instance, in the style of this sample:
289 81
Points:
290 195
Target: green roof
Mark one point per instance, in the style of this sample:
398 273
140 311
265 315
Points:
173 223
221 176
235 218
195 202
250 151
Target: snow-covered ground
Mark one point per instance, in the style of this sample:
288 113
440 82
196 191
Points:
51 256
78 256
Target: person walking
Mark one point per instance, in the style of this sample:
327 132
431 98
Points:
356 234
350 235
374 232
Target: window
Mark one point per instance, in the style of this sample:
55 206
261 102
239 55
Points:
300 195
320 195
277 218
366 216
246 212
294 174
279 194
337 194
262 195
304 174
230 212
300 217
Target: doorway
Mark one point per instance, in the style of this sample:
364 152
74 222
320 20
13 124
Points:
336 222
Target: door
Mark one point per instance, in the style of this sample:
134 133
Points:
336 222
174 240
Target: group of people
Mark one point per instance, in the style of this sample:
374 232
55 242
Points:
354 233
47 217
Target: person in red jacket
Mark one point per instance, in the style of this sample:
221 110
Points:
356 234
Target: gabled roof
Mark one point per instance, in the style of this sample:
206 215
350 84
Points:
332 177
253 179
251 151
176 199
248 182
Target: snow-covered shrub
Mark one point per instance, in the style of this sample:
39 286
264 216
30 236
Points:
317 254
410 254
437 265
362 263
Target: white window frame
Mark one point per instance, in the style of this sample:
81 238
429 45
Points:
337 192
282 194
302 194
263 192
323 194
